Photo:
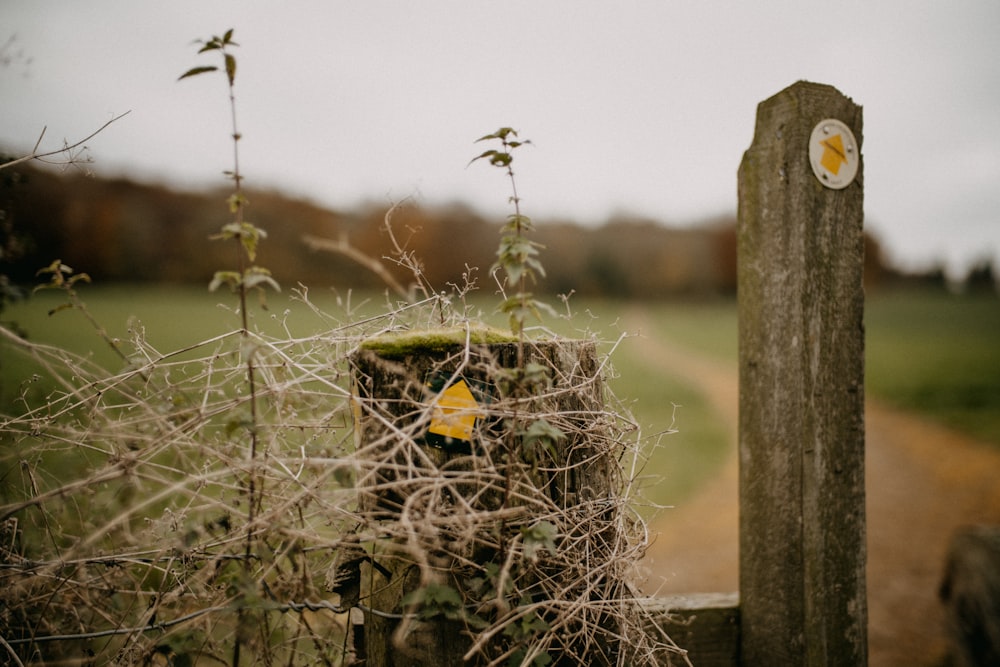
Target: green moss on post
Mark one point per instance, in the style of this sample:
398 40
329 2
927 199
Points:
397 345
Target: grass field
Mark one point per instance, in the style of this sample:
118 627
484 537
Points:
935 354
932 353
938 355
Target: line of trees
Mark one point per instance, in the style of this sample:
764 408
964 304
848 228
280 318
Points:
118 230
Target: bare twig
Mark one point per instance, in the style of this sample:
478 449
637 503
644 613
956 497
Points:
141 481
35 155
343 247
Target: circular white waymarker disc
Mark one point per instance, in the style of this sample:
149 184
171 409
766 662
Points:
833 154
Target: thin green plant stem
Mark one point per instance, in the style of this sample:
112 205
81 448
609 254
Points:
246 237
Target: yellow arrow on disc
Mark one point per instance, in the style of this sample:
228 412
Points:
456 413
834 154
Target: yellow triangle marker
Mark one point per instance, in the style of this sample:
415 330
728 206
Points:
834 154
456 412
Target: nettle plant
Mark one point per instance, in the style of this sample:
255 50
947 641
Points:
243 499
517 256
247 277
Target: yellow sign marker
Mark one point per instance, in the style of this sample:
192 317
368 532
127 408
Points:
834 154
456 413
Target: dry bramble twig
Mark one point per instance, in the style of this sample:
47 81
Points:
127 495
242 495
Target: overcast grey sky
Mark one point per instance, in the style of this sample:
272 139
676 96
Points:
637 107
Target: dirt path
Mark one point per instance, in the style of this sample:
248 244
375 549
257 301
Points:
923 482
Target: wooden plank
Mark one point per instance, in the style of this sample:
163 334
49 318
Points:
801 444
706 625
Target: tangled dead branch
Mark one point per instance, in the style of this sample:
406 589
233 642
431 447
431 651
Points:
124 505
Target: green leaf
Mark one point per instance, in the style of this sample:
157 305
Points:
484 155
501 134
524 628
435 600
501 159
230 278
194 71
56 267
249 237
257 276
237 422
248 234
535 265
540 536
514 271
535 374
236 200
517 308
230 230
542 434
518 257
231 68
77 278
518 223
61 307
475 622
543 429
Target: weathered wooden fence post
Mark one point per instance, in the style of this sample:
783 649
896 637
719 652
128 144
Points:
801 338
488 469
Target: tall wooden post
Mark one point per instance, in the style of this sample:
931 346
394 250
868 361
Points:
801 335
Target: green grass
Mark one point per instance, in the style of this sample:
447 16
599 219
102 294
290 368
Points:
170 318
931 353
708 327
699 447
938 355
934 354
177 317
684 440
680 462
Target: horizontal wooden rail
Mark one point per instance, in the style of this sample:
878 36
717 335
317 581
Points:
706 625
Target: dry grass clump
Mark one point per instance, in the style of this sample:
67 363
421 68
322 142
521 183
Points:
138 527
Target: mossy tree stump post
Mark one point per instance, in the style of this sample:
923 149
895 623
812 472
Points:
455 477
801 339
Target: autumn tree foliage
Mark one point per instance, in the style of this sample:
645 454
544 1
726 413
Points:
118 230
